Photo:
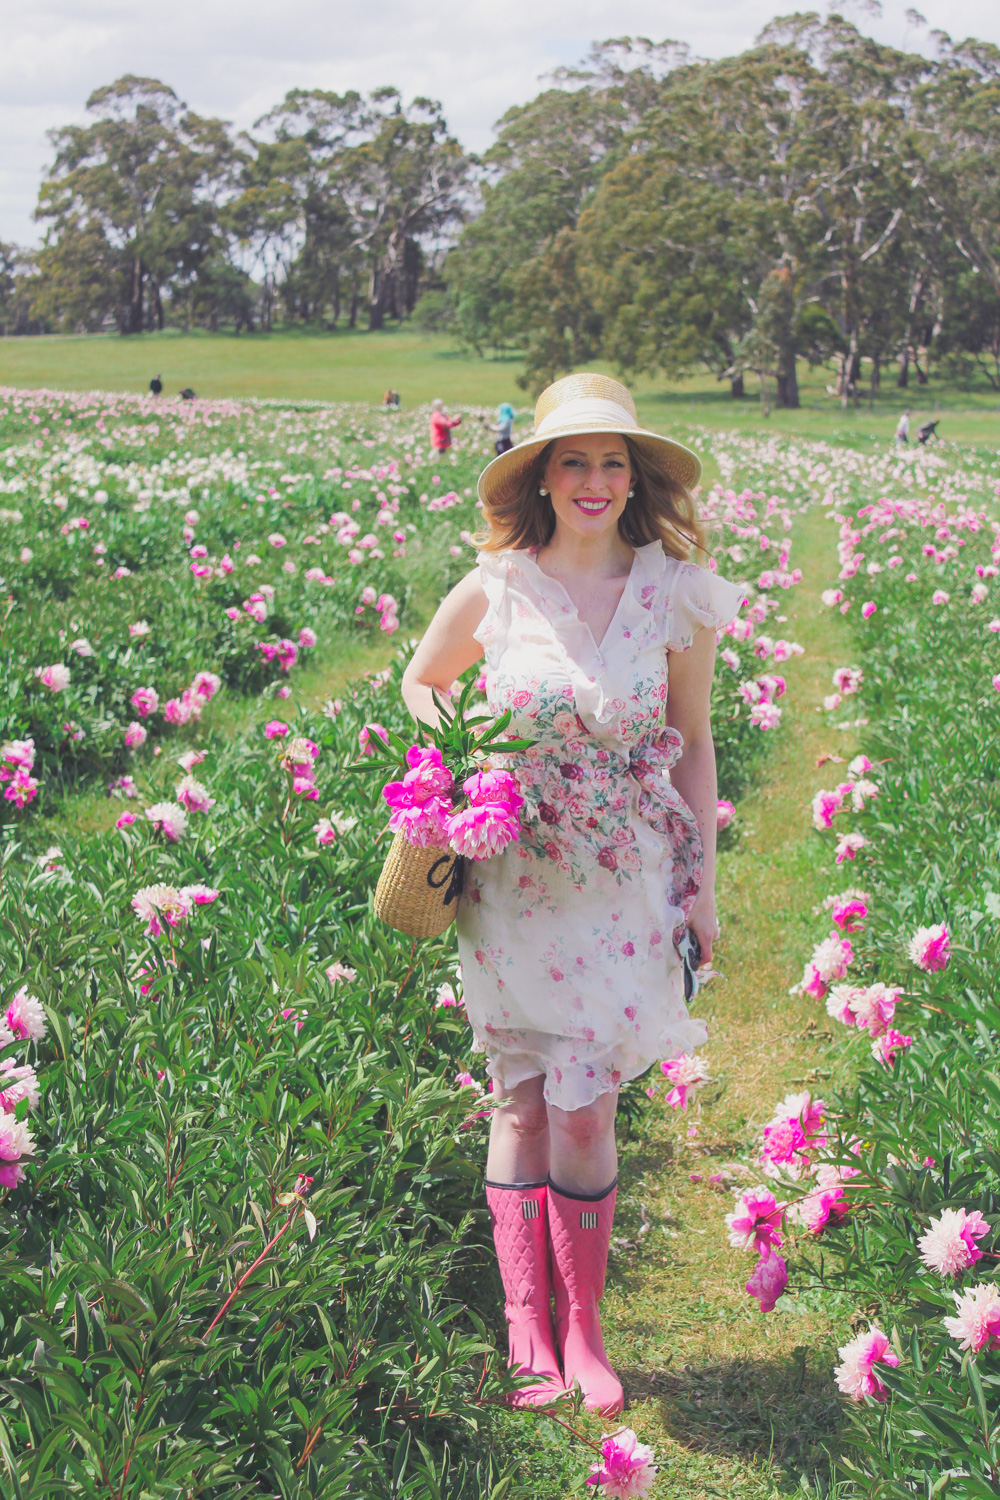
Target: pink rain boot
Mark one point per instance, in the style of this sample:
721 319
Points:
581 1233
521 1235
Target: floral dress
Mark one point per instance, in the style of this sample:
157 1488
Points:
567 937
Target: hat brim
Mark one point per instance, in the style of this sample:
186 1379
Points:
502 479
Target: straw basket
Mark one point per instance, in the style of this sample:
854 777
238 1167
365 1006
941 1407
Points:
418 889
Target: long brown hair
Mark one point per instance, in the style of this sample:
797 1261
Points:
660 510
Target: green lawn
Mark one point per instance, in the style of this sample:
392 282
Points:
358 367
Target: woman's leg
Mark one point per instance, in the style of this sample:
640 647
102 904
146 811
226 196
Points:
517 1193
581 1202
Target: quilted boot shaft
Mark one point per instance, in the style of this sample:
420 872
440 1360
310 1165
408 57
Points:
521 1235
581 1234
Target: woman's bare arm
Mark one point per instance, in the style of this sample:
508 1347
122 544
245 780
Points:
447 648
689 695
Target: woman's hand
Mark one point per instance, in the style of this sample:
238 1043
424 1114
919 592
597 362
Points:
704 923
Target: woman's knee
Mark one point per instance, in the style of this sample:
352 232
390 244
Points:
587 1127
524 1111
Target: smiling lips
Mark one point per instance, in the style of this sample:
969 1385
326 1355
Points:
591 506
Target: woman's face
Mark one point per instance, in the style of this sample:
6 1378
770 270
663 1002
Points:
588 479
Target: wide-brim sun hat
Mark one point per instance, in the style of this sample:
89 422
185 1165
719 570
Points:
575 406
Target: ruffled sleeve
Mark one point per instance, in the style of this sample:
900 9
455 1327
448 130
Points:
692 598
491 632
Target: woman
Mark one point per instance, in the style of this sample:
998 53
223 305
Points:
598 634
504 428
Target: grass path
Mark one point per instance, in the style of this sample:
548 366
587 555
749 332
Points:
735 1403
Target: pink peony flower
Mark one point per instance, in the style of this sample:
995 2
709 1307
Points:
206 685
168 818
160 907
145 701
55 677
725 812
868 609
929 948
480 832
977 1322
17 1082
855 1375
365 737
815 1210
687 1074
445 997
135 735
191 794
25 1017
887 1047
126 820
626 1466
830 961
769 1280
765 715
274 729
16 1145
756 1220
848 680
427 777
825 807
307 637
949 1244
201 895
849 845
21 788
191 758
493 786
177 710
338 971
847 912
795 1130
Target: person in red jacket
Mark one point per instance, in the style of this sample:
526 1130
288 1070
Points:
441 425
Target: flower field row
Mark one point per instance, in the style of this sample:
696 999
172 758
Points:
891 1189
242 1142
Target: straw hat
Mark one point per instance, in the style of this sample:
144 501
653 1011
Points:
579 404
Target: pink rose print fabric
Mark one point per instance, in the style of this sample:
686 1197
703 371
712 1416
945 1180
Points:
566 938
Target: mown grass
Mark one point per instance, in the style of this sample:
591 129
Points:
358 366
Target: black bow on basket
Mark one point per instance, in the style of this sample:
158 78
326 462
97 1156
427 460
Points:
454 873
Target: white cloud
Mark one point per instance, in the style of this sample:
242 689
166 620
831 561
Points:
236 58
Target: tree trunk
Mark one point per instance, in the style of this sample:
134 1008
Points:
736 386
903 378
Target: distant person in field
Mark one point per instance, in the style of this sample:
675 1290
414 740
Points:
441 425
903 428
156 385
391 400
504 428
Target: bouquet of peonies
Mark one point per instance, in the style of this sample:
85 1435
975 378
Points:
436 825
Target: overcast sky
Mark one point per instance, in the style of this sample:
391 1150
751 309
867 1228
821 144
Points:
236 58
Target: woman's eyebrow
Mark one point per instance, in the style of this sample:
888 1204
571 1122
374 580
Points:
582 453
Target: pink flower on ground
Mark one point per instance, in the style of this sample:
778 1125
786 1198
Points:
868 609
687 1074
145 701
886 1048
940 597
849 845
481 832
977 1322
949 1246
193 795
55 677
626 1466
338 971
191 758
725 812
126 820
756 1220
365 737
274 729
855 1375
848 680
168 818
16 1145
769 1280
929 948
825 807
25 1017
135 735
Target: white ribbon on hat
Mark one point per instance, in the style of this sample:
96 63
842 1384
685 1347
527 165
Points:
583 411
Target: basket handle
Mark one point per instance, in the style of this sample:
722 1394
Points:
455 868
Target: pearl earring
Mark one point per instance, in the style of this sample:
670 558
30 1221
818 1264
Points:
630 494
542 490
